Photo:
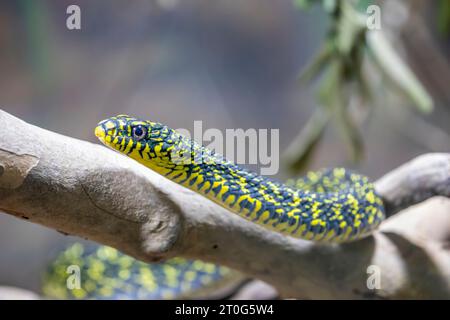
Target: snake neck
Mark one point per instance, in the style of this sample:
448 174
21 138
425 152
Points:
342 215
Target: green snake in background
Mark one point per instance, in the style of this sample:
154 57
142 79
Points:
330 206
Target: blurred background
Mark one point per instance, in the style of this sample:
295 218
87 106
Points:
231 64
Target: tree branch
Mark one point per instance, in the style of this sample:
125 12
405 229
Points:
87 190
418 180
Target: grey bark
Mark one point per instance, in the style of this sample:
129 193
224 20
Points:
85 189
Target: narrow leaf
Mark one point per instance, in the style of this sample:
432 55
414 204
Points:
397 71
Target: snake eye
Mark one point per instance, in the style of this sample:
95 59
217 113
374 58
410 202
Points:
139 132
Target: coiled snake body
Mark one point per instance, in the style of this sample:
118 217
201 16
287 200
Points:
333 205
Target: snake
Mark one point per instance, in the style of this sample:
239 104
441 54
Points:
334 205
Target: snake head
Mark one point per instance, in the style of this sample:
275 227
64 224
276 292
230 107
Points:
114 131
148 142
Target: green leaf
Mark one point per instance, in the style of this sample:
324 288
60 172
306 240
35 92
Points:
361 5
300 151
336 98
350 27
302 4
327 92
330 5
349 130
444 17
320 62
362 80
397 71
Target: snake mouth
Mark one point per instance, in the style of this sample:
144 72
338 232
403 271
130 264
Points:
100 133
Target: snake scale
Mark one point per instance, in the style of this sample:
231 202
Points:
331 206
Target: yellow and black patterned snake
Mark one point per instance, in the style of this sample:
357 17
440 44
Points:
331 206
